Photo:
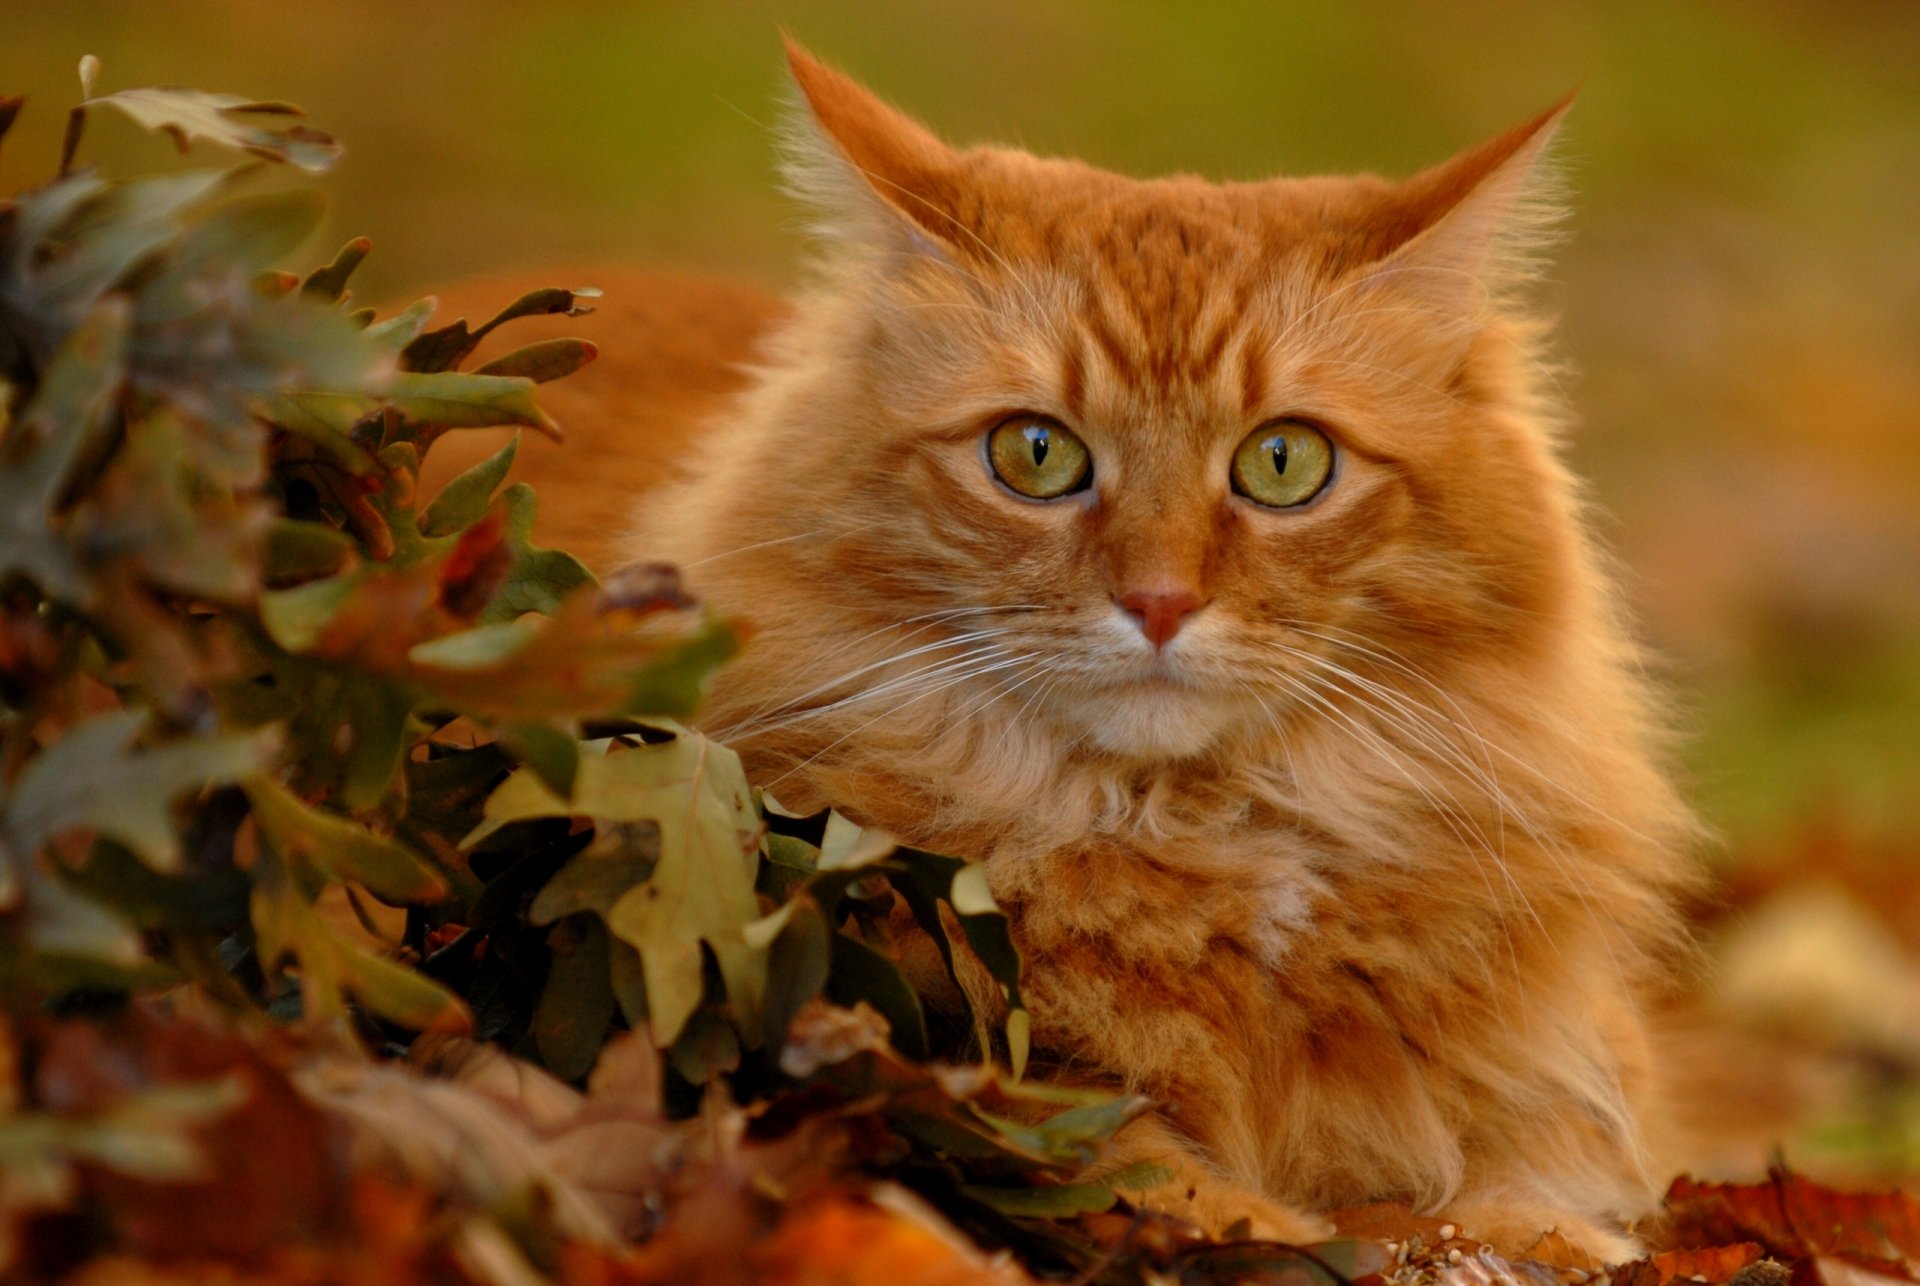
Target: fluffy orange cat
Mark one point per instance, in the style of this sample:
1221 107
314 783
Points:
1200 557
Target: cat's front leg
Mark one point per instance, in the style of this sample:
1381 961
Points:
1196 1191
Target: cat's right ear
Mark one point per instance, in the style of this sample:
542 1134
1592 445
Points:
878 179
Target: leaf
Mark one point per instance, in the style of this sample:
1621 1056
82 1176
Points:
301 551
187 115
240 237
1793 1216
327 420
538 580
455 399
1716 1265
342 848
700 891
150 510
856 973
1050 1201
269 1171
798 964
106 233
550 751
621 856
549 359
328 284
90 779
925 880
576 1005
399 330
464 499
68 415
287 927
443 349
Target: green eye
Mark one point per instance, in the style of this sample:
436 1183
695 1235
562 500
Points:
1283 464
1038 457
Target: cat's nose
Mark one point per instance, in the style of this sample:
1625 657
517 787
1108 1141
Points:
1160 611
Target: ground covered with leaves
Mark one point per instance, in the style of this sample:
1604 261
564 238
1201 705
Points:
366 916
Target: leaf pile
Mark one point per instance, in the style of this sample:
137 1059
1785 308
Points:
309 781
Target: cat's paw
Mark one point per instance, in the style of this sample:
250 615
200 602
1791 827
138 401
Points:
1226 1211
1516 1230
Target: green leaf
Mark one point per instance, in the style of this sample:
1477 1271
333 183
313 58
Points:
150 509
104 237
443 349
455 399
576 1005
706 1049
193 901
377 718
70 413
857 972
538 578
1051 1201
90 778
798 965
549 359
186 115
463 500
399 330
327 420
287 927
341 847
294 618
242 236
304 551
675 685
621 857
550 751
700 892
329 283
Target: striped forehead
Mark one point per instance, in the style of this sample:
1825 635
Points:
1163 308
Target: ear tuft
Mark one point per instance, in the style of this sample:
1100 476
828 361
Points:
1487 217
877 177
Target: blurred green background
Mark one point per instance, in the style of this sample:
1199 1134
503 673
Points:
1742 294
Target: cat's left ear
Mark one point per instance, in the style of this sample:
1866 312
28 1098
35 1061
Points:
1474 226
880 179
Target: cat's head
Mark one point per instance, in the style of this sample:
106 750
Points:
1162 464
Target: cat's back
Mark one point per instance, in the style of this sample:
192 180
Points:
674 347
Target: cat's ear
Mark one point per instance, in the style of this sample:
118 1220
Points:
877 177
1476 226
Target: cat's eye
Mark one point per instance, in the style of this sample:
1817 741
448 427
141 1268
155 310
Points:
1282 464
1038 457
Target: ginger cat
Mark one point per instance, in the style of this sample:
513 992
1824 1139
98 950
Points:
1199 557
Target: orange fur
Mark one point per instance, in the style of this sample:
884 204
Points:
1368 875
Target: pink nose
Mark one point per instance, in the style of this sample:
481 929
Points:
1160 612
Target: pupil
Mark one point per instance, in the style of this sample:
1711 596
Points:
1279 448
1040 445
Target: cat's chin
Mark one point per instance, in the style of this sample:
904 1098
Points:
1156 721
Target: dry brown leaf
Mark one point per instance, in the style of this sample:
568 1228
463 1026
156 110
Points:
273 1170
1795 1218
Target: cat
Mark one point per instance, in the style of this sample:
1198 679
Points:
1201 558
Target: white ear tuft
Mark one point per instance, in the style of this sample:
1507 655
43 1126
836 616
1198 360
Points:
1481 225
877 179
